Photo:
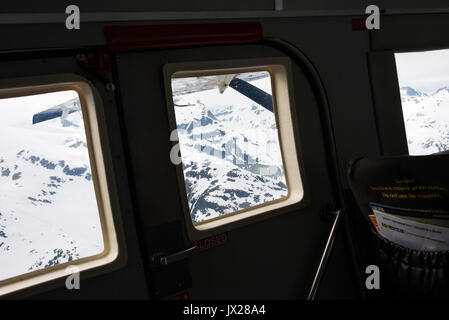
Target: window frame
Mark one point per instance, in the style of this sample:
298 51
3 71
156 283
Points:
113 255
387 101
282 91
400 98
398 35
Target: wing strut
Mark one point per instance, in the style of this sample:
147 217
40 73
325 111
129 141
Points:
61 110
252 92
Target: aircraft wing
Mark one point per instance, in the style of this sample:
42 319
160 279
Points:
239 83
252 92
69 106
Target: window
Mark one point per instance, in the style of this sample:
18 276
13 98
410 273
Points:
236 141
229 143
424 87
54 203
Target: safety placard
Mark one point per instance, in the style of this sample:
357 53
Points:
411 233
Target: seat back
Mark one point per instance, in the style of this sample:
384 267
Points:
410 187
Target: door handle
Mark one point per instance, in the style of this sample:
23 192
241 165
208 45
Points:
166 259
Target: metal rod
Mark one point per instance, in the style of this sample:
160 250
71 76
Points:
324 258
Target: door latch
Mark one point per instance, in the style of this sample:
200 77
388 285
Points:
166 259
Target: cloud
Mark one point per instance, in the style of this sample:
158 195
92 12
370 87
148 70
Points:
425 71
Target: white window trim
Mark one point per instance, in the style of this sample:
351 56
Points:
280 72
89 99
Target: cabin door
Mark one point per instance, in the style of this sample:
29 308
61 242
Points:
276 257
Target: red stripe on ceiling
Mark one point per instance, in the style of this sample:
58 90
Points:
133 38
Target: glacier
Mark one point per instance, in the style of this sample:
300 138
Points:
426 119
231 157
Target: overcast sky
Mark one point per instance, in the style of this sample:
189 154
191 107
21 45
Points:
425 71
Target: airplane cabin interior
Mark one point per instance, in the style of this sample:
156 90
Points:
245 151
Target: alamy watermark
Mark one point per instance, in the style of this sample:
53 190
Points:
175 156
72 282
248 147
373 20
373 279
73 21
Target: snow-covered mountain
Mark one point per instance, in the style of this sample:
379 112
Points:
426 118
229 147
48 209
